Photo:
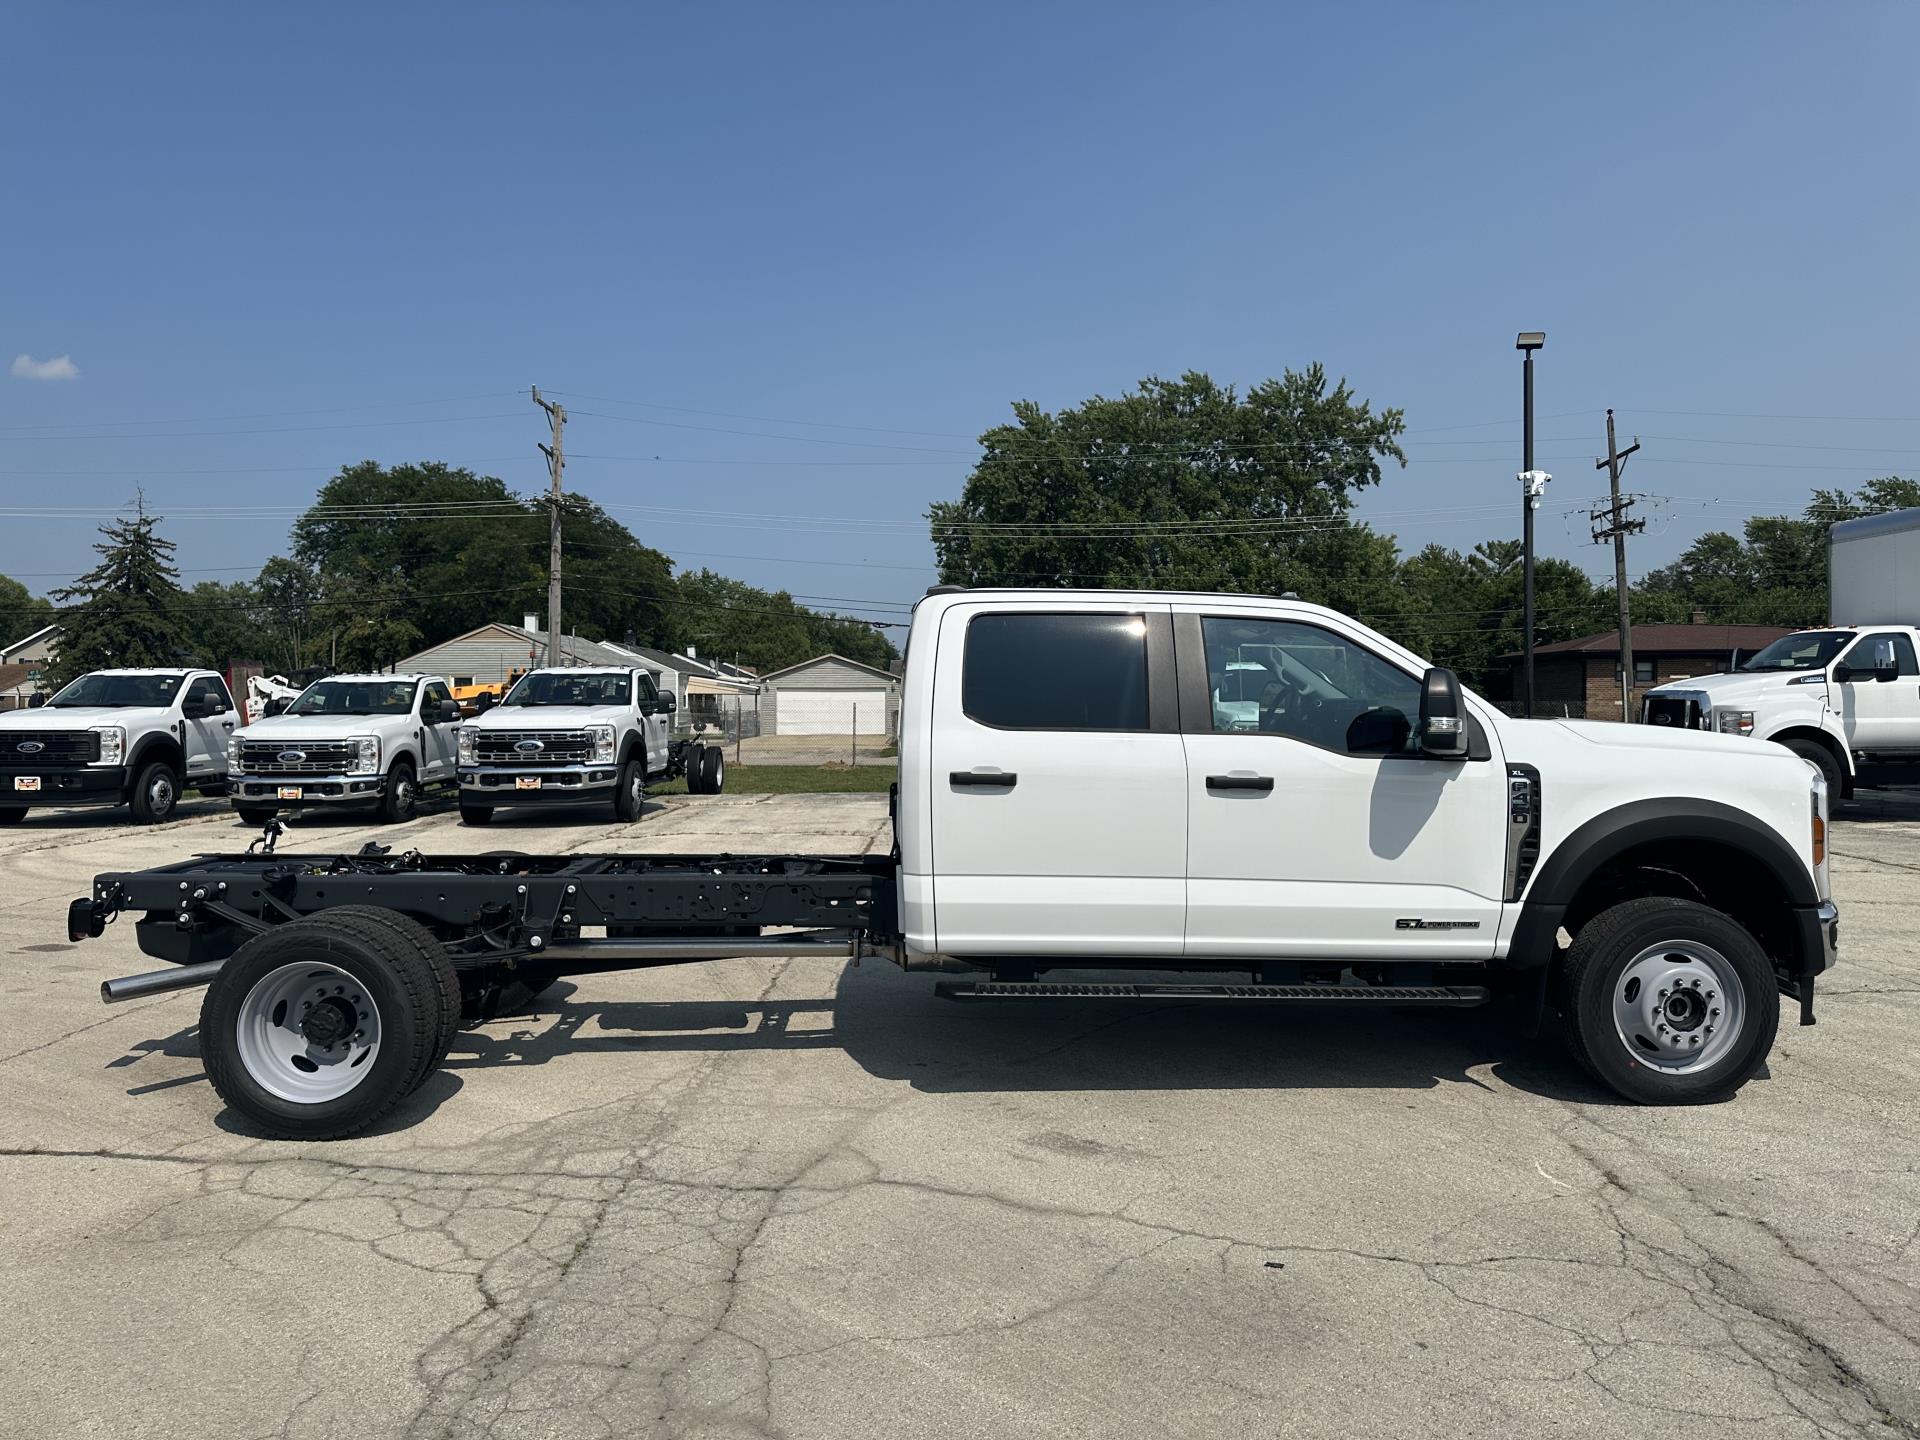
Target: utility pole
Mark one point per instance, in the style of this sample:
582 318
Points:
1617 528
1533 484
556 463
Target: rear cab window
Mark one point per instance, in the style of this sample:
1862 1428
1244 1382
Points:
1056 671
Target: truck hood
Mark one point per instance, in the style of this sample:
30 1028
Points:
323 727
1735 688
81 717
1654 737
548 717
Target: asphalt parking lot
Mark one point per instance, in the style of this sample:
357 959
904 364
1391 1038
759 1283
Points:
787 1198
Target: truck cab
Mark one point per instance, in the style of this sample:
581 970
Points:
567 735
1834 696
139 738
373 740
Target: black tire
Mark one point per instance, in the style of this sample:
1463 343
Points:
13 814
156 793
1823 760
713 770
1631 936
696 770
400 799
399 980
630 791
447 980
475 814
255 814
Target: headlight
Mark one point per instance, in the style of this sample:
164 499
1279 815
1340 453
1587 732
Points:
233 753
469 742
367 761
1735 722
602 738
113 743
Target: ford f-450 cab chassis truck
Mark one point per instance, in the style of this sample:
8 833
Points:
1260 792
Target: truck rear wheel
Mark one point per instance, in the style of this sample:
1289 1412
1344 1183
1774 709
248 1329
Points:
316 1029
713 770
1669 1002
155 793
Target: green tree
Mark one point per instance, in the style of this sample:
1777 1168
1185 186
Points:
287 597
1181 483
728 619
126 611
21 611
221 623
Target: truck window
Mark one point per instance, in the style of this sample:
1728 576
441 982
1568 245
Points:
643 691
207 687
1056 672
1873 651
435 695
355 697
1807 650
118 690
1279 677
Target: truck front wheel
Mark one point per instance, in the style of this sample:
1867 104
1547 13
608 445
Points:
1821 758
12 814
401 798
255 815
630 794
156 791
1669 1002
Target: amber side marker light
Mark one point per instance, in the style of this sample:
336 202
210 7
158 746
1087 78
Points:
1819 836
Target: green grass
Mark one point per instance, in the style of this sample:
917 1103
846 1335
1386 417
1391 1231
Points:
797 780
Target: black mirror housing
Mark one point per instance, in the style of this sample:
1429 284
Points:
36 700
448 712
273 707
1443 718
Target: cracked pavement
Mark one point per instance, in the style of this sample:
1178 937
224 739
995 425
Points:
764 1198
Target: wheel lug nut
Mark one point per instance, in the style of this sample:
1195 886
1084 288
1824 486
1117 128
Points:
1714 1011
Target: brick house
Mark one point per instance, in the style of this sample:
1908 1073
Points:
1581 678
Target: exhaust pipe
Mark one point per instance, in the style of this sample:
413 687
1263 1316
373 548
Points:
158 982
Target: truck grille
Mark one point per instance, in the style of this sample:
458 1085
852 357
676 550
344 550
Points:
557 747
296 757
47 749
1672 712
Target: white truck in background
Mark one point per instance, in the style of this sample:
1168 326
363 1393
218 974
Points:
1839 696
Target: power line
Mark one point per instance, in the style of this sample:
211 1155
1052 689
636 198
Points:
273 414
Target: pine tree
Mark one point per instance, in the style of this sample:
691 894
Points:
126 610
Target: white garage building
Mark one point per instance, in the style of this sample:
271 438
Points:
829 695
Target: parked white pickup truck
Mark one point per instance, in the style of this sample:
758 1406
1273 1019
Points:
1078 794
138 738
578 735
348 740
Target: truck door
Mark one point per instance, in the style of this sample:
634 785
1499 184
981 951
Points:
1878 714
438 740
1057 776
1316 829
652 719
205 736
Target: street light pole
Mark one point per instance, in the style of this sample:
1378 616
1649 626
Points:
1532 484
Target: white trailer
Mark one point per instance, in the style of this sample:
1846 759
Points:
1875 567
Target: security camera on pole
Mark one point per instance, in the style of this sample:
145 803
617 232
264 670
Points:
1533 484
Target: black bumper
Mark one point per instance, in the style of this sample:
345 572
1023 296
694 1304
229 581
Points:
593 785
81 785
316 792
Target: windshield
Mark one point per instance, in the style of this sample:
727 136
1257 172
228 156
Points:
552 688
355 697
1809 650
156 690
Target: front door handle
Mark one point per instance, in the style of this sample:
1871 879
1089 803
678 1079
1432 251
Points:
1262 783
1004 779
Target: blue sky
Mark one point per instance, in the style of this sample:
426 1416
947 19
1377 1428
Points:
274 240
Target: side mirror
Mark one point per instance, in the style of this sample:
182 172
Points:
1888 669
36 700
1842 674
483 702
273 707
1443 719
195 709
448 712
669 704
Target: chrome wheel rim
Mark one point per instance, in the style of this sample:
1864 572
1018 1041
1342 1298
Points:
308 1033
1678 1006
637 792
403 795
160 793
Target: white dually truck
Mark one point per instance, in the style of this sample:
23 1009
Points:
1098 801
1839 696
139 738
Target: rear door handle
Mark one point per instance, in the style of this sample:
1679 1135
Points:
1262 783
1004 779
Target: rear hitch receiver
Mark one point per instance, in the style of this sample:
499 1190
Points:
86 920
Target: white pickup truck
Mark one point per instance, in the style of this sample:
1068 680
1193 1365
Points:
139 738
578 735
1077 794
348 740
1836 696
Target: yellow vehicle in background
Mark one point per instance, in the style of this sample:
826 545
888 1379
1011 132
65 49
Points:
473 699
